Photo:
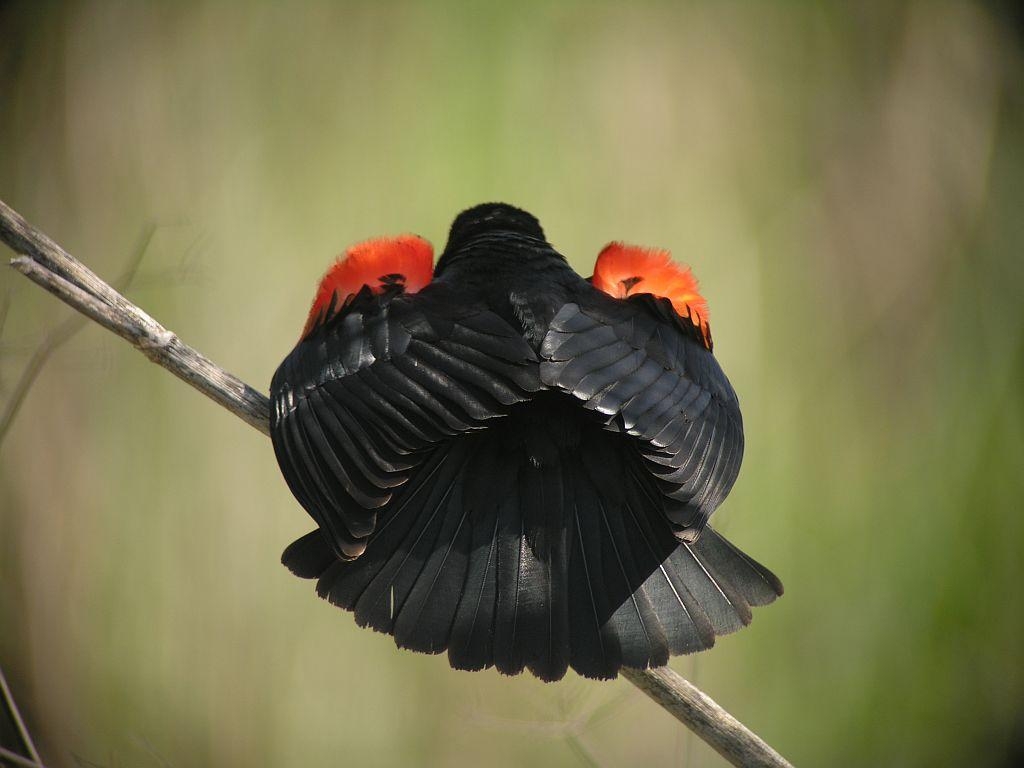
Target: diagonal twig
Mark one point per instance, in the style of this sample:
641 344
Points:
50 266
33 759
58 336
705 717
15 759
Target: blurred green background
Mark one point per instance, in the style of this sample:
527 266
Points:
846 180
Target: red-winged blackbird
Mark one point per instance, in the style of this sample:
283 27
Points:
513 463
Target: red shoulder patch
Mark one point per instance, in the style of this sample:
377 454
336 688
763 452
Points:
624 270
407 260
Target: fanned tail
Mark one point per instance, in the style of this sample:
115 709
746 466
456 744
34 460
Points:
539 559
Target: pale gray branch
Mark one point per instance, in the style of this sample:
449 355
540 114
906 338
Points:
58 336
709 720
19 723
48 265
15 759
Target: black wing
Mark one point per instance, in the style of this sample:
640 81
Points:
636 362
357 405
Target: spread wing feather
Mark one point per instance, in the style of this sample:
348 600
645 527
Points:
635 362
363 399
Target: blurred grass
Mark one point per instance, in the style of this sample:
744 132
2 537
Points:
846 182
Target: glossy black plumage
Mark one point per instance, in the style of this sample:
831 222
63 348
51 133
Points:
515 467
659 386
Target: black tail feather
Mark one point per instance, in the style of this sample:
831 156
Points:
309 556
553 560
385 597
471 645
425 618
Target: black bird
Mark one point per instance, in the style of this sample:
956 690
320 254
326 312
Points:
513 463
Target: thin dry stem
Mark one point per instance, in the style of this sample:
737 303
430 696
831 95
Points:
33 759
57 337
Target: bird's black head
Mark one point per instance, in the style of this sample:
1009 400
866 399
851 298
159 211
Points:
491 219
492 238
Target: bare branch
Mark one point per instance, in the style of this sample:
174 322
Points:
26 739
57 337
48 265
16 759
701 714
